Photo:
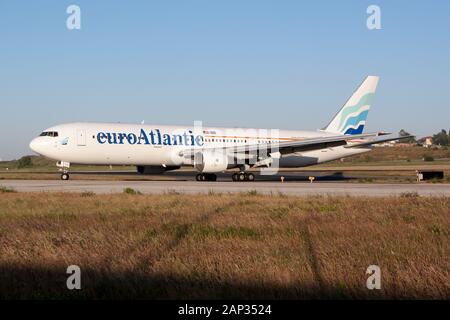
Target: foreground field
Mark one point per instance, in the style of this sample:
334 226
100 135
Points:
223 246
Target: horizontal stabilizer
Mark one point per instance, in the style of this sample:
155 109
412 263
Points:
376 141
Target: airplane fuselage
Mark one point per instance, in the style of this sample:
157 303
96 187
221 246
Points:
155 145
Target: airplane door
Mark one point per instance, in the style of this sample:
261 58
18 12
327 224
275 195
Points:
81 137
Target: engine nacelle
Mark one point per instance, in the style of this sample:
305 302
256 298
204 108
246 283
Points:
155 169
211 161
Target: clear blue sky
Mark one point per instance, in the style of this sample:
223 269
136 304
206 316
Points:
277 64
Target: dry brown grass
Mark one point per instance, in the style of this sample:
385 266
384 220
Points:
223 246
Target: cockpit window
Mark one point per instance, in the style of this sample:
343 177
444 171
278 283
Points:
49 134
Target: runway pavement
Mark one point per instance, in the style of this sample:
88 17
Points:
289 188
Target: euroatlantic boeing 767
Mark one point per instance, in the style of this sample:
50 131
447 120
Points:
159 148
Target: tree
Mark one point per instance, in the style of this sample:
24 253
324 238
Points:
441 138
404 133
24 162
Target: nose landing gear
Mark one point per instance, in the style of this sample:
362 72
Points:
64 168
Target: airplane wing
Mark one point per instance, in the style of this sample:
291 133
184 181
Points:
307 144
288 147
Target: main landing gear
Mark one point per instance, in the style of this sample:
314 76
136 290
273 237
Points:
206 177
238 177
243 176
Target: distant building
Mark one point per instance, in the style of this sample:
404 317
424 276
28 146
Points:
426 142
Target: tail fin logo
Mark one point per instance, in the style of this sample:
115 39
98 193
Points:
353 118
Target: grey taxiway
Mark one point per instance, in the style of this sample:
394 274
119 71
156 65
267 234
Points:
263 187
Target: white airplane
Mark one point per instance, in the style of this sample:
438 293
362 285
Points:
159 148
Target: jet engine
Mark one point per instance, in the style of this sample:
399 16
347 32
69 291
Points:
211 161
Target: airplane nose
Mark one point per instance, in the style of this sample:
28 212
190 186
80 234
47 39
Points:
36 145
33 145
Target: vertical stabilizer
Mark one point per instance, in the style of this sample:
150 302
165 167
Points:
351 119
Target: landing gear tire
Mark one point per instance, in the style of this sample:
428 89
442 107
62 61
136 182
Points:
242 176
65 176
206 177
250 177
